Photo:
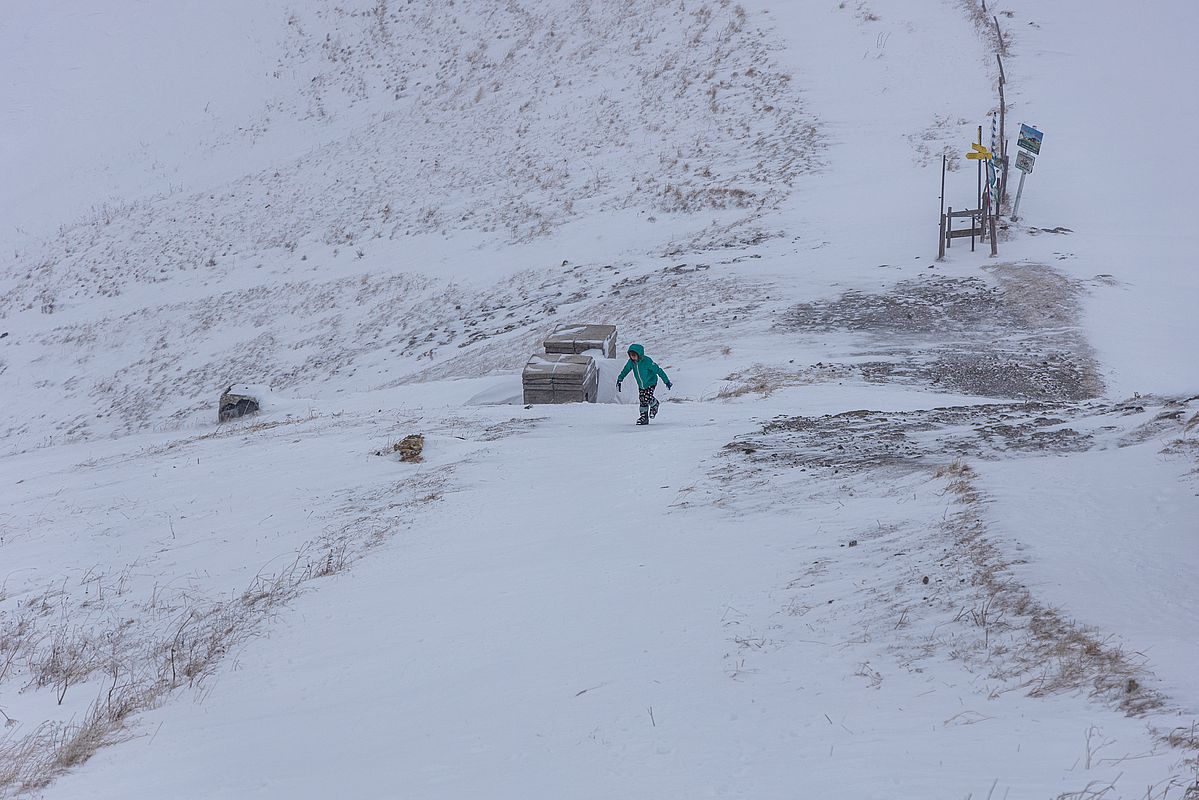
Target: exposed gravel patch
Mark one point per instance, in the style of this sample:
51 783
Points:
860 440
1015 335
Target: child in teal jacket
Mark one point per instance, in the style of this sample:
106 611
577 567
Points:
646 372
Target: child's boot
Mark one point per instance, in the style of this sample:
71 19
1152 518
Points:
644 418
653 408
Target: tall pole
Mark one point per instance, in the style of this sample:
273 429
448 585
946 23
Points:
982 221
1002 135
941 239
980 170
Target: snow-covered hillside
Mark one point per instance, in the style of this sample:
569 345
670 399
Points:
406 151
904 528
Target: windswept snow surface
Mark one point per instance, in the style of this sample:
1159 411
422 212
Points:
902 529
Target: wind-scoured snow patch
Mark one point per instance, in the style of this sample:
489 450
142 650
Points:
951 581
1026 643
1016 335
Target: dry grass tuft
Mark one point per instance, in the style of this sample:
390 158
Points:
759 380
1192 423
764 380
1035 644
956 469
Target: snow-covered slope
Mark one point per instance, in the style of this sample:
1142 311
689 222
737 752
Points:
902 529
433 144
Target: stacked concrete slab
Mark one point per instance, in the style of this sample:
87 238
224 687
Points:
581 338
560 378
563 374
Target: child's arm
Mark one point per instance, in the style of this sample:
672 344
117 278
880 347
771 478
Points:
662 372
624 371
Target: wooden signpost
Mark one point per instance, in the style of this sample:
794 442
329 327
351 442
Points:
978 216
978 153
984 218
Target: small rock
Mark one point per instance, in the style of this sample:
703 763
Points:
853 542
924 580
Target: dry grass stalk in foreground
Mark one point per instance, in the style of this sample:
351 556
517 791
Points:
1051 652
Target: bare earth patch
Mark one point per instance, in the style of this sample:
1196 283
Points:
1016 337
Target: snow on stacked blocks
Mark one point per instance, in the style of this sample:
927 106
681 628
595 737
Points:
578 339
564 374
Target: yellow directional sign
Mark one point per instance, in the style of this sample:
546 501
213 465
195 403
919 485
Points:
978 152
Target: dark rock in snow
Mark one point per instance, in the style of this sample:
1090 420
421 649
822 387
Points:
236 404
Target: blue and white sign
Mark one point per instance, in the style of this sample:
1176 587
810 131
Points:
1030 139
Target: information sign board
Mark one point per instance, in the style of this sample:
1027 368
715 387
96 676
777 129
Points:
1030 139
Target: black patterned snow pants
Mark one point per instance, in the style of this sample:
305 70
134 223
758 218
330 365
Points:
647 401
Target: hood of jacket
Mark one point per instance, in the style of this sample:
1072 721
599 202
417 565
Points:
638 349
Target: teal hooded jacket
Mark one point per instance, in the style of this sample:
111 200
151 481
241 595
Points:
644 369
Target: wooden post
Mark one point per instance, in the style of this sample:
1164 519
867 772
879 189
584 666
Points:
1007 168
949 227
941 239
994 244
979 189
1002 188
